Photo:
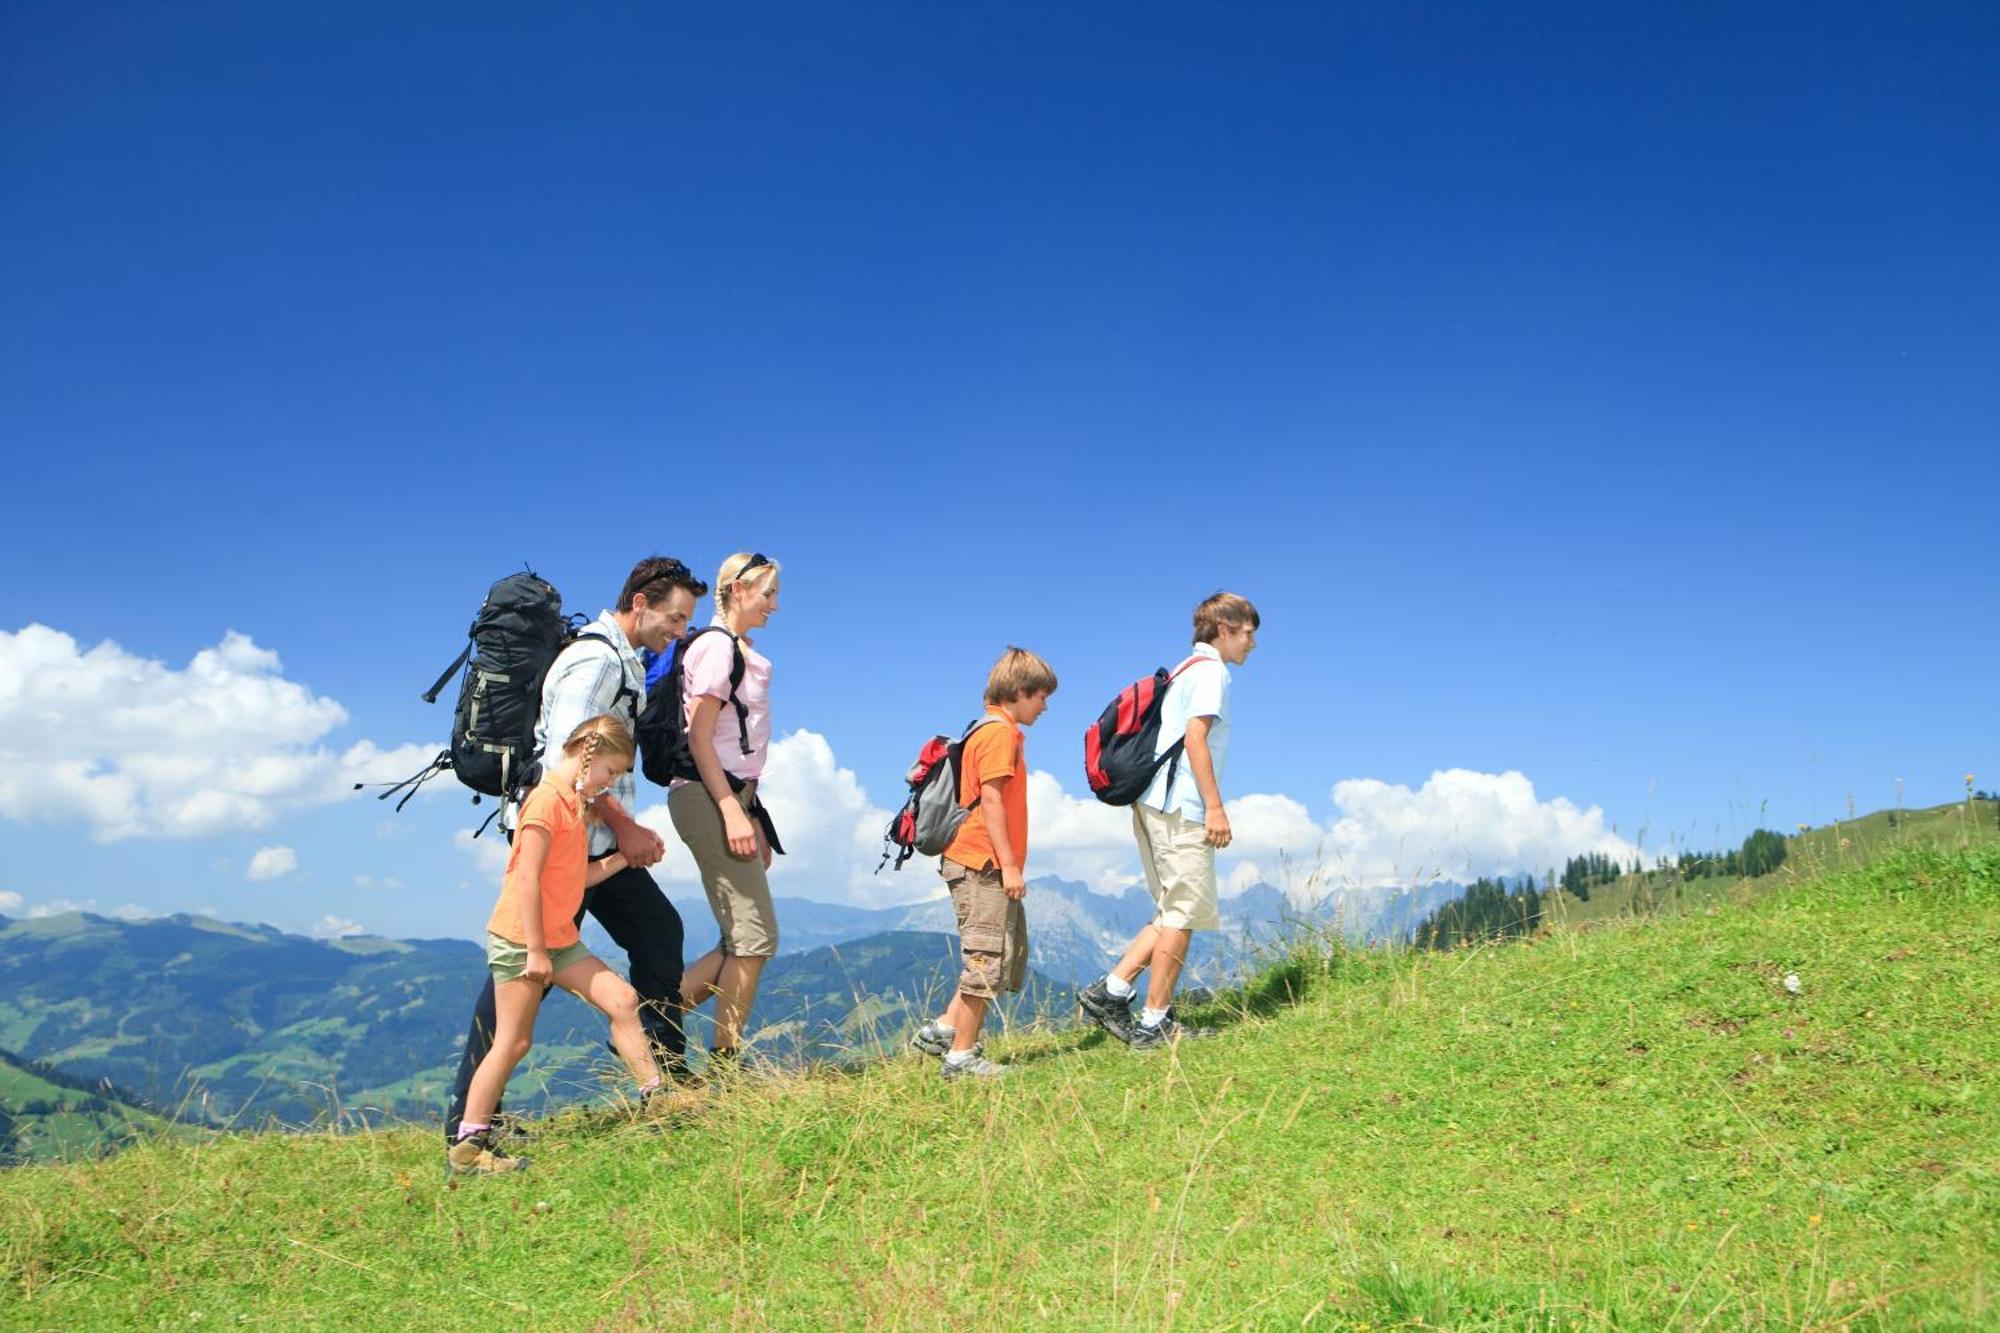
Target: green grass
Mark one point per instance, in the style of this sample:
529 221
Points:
1811 852
1634 1126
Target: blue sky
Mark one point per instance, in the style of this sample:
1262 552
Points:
1603 394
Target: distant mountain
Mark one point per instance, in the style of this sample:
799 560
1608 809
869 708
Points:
216 1023
1074 933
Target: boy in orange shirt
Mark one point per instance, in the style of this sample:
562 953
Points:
985 865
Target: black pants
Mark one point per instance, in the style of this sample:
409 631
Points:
641 921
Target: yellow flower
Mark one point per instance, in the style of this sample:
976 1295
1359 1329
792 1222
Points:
1813 1221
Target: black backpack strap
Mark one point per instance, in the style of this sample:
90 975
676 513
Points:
737 666
626 694
430 696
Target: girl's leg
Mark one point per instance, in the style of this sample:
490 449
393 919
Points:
515 1004
736 991
607 992
698 982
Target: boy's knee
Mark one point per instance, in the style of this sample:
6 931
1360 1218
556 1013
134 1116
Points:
517 1049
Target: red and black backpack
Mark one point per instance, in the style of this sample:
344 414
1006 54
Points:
1118 758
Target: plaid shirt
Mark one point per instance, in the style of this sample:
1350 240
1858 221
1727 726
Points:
582 682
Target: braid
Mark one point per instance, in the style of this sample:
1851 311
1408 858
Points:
589 754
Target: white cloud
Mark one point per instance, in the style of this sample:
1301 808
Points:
832 832
488 850
271 863
136 748
10 902
58 906
1459 825
332 927
133 912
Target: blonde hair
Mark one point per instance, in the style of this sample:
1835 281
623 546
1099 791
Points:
1223 608
603 734
1017 674
726 578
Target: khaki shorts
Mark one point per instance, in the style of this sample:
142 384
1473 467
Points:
1180 869
738 892
992 931
507 960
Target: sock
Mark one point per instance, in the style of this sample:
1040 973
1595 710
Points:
1151 1017
466 1129
1120 988
650 1088
963 1057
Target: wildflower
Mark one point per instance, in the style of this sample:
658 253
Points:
1813 1221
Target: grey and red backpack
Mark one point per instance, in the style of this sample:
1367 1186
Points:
933 813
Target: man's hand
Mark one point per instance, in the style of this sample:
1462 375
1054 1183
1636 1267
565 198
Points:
1215 828
538 968
639 845
1012 880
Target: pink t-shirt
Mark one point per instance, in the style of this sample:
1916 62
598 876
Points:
707 674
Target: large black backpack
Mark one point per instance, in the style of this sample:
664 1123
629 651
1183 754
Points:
514 639
664 754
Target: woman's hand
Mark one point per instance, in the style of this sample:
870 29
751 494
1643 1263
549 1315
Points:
736 826
538 968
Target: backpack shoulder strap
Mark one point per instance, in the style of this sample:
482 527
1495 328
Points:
625 690
737 666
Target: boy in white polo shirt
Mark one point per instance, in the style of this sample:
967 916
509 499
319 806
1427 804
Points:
1180 825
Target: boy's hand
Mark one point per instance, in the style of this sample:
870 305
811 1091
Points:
1215 829
538 968
1013 882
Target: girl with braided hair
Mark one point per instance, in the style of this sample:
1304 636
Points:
532 940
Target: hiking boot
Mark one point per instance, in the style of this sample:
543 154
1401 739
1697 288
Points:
1165 1033
1106 1010
933 1038
475 1155
978 1067
671 1102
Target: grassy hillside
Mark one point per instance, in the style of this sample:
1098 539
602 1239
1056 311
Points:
1811 852
1636 1126
44 1118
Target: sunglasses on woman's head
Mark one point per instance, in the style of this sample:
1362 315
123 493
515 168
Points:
752 563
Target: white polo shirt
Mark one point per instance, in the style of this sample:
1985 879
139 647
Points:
1202 690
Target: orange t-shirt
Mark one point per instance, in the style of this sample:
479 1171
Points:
995 750
557 810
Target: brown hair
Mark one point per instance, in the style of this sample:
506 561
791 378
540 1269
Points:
1223 608
1017 674
653 576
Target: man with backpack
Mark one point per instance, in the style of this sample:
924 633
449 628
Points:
1180 824
600 672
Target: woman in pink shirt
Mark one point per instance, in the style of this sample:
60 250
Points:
719 817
